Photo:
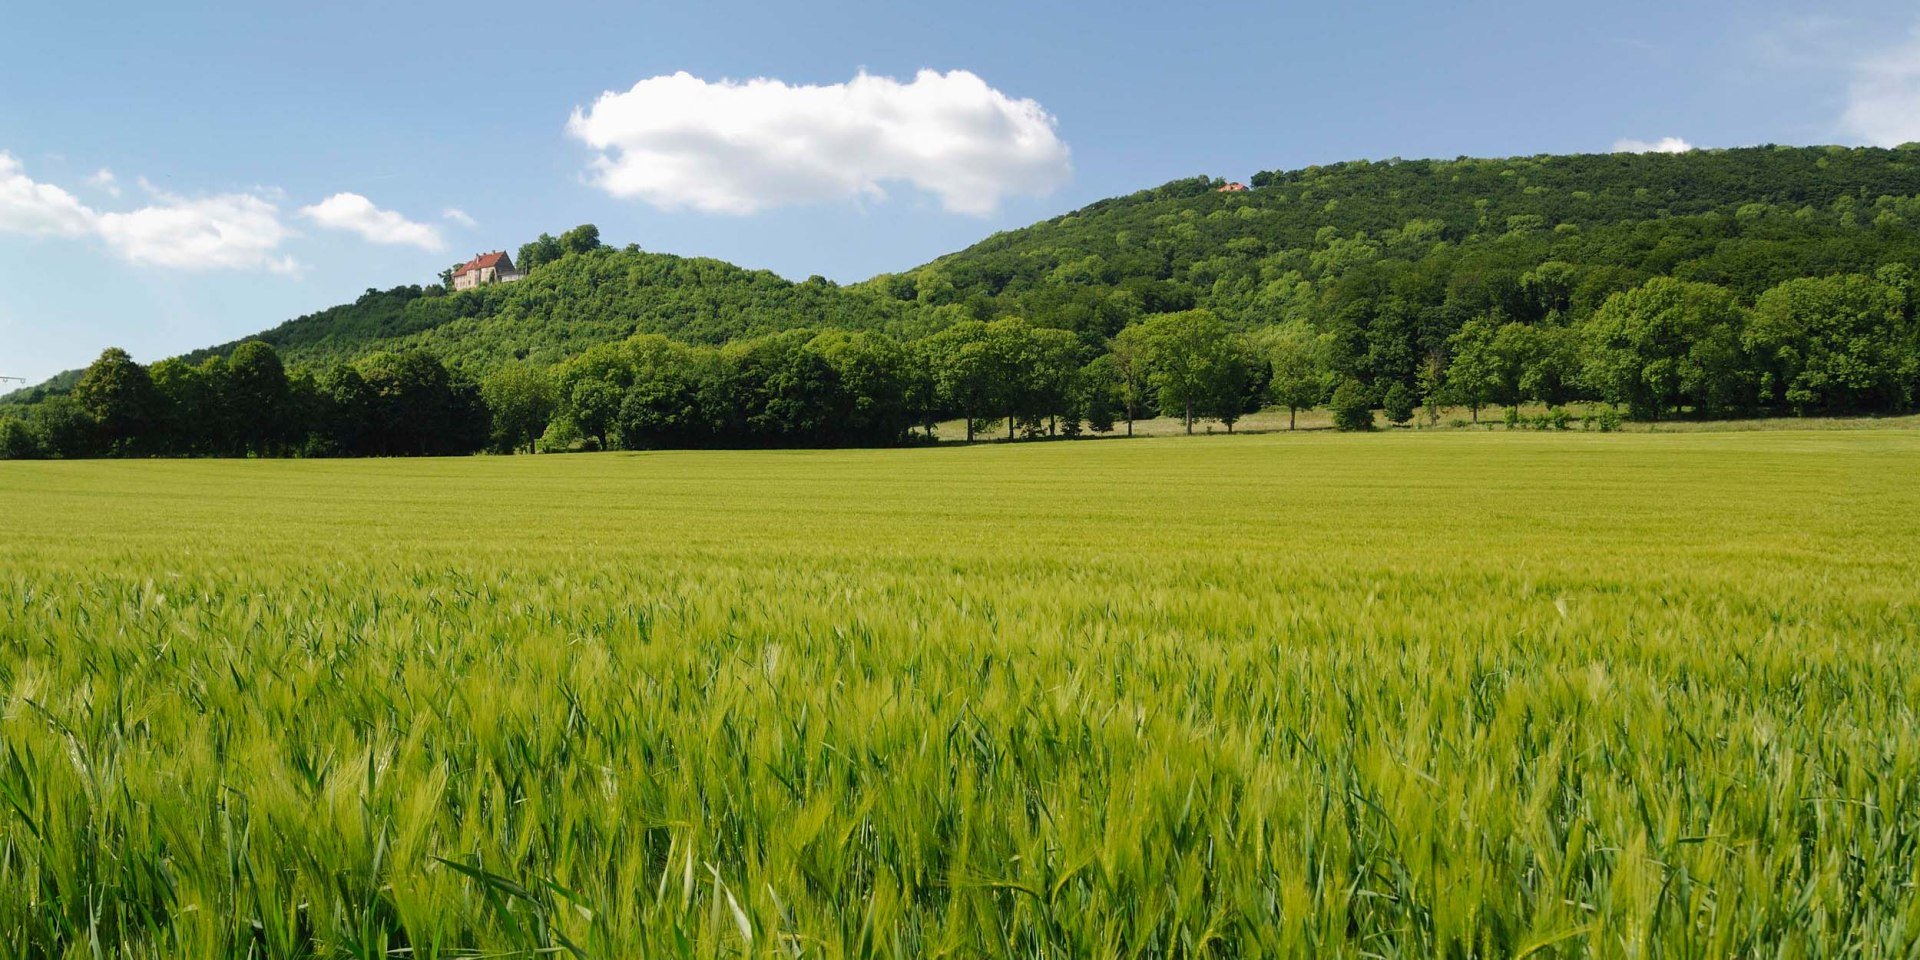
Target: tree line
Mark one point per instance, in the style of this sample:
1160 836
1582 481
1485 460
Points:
797 388
247 404
1842 344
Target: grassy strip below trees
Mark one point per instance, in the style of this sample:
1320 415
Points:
1846 344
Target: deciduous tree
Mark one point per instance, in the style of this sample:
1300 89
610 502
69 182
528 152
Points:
1473 369
1352 408
521 400
256 399
1659 346
1300 371
1834 344
118 396
1191 361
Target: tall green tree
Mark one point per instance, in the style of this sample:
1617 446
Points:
874 370
1050 374
469 422
256 398
1128 350
668 393
1551 371
117 394
64 428
584 238
310 415
970 370
777 392
540 251
188 407
521 399
1663 345
592 405
1834 344
1515 348
1398 404
1013 349
1473 375
1301 374
345 420
923 389
219 430
1432 381
18 439
1100 393
1191 361
415 407
1236 377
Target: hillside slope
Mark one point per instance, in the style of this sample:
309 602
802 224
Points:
573 303
560 309
1429 242
1393 256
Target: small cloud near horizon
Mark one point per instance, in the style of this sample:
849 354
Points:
1662 145
356 214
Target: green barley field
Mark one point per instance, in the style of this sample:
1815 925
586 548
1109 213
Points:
1450 693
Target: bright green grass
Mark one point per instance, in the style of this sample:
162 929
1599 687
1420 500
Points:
1449 693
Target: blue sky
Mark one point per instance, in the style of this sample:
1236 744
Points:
227 127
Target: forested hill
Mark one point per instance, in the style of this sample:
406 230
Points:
572 303
1427 243
566 304
1389 259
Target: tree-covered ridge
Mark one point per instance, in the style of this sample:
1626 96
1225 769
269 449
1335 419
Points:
1729 283
570 303
607 295
1398 252
1428 234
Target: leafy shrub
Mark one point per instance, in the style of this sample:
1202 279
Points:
18 441
1399 404
1352 408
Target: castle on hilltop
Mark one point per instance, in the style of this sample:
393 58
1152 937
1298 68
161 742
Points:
495 267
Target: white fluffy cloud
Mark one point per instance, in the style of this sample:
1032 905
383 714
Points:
1662 145
1883 102
355 213
459 216
230 231
739 147
38 208
234 231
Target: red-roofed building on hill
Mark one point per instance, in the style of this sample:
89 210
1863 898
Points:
1235 187
495 267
